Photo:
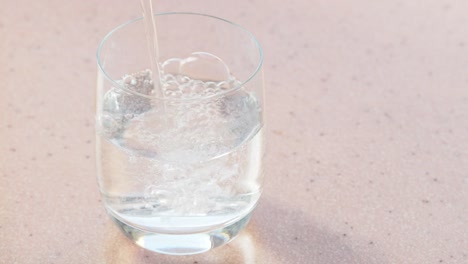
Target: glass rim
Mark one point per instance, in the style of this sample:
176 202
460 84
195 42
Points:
110 33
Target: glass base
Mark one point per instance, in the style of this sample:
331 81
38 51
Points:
186 244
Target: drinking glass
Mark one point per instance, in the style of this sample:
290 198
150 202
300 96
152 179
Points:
180 149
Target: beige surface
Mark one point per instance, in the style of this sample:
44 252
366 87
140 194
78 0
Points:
367 128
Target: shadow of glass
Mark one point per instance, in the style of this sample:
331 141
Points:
290 236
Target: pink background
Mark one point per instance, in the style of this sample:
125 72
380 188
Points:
367 132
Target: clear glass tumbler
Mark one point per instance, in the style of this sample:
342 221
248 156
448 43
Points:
179 151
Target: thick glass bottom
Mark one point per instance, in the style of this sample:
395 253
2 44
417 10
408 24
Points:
183 244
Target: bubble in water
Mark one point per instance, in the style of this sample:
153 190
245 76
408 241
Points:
129 80
205 67
171 66
197 87
183 79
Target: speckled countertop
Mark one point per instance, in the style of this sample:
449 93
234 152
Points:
367 132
